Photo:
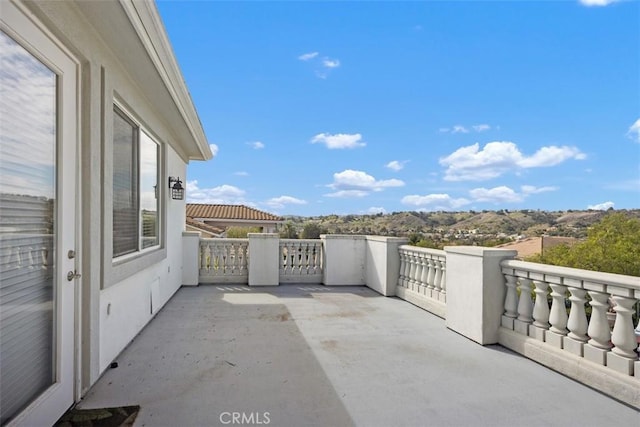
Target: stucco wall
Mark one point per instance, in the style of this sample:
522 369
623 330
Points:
126 307
114 300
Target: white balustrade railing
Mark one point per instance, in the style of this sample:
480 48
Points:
423 277
300 261
577 319
224 260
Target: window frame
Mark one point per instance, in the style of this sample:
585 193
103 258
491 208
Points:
116 269
137 153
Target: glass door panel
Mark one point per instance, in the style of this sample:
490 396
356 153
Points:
28 203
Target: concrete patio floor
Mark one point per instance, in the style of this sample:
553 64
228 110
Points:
303 355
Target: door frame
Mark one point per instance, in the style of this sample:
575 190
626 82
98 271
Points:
23 26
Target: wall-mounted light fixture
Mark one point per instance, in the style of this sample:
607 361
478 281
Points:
177 190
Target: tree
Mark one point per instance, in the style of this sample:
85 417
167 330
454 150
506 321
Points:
241 232
289 231
612 245
312 230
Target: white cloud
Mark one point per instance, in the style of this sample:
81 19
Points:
330 63
504 194
470 163
241 173
223 194
601 206
459 129
634 131
597 2
307 56
464 129
352 183
322 66
280 202
436 202
530 189
376 210
481 128
339 140
214 149
346 194
500 194
256 145
396 165
551 156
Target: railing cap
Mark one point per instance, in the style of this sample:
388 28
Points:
342 237
481 251
632 282
388 239
430 251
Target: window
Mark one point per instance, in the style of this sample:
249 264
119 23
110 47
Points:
135 187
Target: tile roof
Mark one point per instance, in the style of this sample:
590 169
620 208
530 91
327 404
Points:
204 227
197 210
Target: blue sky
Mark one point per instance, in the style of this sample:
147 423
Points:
317 108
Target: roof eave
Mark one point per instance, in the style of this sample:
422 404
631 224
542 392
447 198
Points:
147 23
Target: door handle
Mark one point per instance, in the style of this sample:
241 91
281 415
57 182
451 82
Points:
73 275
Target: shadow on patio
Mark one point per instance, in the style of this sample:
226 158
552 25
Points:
303 355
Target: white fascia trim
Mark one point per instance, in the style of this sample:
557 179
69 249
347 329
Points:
146 21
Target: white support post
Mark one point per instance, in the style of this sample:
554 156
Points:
190 258
344 260
475 291
264 250
382 263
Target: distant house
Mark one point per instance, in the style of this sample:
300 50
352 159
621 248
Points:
536 245
213 220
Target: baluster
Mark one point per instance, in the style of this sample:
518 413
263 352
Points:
558 315
423 274
287 258
299 258
230 258
577 323
420 267
525 307
293 255
431 277
443 280
403 264
510 302
283 257
214 263
236 260
305 258
412 270
623 336
599 332
540 310
202 257
245 257
437 280
525 304
224 253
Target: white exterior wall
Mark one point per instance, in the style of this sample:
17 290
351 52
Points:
126 307
115 300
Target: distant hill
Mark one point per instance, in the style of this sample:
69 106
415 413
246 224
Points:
455 225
